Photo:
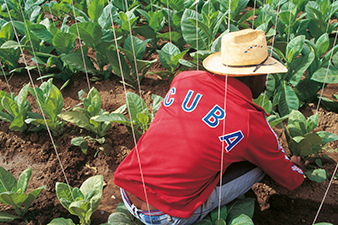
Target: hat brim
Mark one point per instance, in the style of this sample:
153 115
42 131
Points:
213 63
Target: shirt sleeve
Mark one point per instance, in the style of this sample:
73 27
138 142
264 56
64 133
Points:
265 151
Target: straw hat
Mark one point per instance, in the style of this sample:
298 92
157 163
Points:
243 53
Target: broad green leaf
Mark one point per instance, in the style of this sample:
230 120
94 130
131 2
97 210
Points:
92 190
240 206
78 118
311 144
119 218
273 120
142 118
318 175
298 66
264 102
7 32
223 215
23 180
135 104
241 220
189 30
7 181
113 117
14 199
139 47
95 101
21 98
64 42
2 94
41 32
327 137
294 48
10 106
95 9
297 124
63 193
307 89
76 60
156 104
322 44
312 123
327 75
89 32
319 162
18 123
80 208
81 142
288 100
6 217
6 117
61 221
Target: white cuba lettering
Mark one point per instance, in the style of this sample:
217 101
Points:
214 116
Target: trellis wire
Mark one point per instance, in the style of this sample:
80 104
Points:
38 101
169 21
197 36
80 43
130 119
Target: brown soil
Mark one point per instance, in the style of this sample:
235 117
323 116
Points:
20 151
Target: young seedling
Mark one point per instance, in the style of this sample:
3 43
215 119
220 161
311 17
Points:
82 201
84 118
12 192
304 142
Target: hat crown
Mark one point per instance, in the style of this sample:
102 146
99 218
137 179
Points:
247 47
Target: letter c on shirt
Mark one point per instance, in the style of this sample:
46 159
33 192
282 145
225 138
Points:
214 116
168 101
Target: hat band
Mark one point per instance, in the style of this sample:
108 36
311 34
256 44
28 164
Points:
257 66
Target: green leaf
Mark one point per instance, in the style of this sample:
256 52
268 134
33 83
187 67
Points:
78 118
327 137
113 117
240 206
297 124
294 48
80 208
7 181
322 44
61 221
312 123
318 175
241 220
81 142
6 217
92 190
41 32
95 9
63 193
94 101
10 106
23 180
288 99
7 32
89 32
327 75
135 105
18 123
319 162
75 60
64 42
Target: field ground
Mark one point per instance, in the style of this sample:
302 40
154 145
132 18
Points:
20 151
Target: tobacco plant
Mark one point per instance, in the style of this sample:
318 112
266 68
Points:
138 111
82 201
12 192
304 142
136 67
169 59
16 108
84 118
50 102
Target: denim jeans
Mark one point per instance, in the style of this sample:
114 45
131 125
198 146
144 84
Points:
229 191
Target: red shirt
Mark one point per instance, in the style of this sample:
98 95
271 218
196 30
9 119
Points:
180 153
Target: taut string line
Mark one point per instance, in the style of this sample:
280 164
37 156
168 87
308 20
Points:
38 101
